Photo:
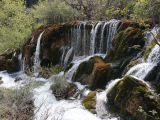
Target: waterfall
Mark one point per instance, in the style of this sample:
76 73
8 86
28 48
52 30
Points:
78 40
63 48
102 34
93 37
111 33
84 41
32 40
36 58
67 57
23 65
97 41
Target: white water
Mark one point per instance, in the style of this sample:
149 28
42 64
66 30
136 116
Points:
71 109
141 70
36 58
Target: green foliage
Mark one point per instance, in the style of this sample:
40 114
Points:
53 11
15 23
147 8
154 113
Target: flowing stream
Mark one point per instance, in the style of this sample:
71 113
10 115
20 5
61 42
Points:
72 109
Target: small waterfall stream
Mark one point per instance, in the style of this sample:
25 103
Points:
36 58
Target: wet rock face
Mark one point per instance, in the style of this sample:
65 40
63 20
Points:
128 94
92 73
29 56
13 65
2 63
63 90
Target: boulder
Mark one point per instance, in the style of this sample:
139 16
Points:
63 89
92 73
128 94
2 63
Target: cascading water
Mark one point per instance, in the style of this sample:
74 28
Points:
111 33
36 58
150 36
32 40
93 38
67 57
141 70
84 41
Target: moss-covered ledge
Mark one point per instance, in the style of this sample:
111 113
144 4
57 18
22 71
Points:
128 94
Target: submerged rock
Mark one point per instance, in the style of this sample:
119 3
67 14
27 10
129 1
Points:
128 94
90 101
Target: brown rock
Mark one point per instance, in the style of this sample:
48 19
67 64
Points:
2 63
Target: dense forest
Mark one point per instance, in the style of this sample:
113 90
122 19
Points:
79 60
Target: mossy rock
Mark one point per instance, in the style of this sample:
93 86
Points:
124 40
68 67
91 73
89 102
109 57
128 94
126 24
85 67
